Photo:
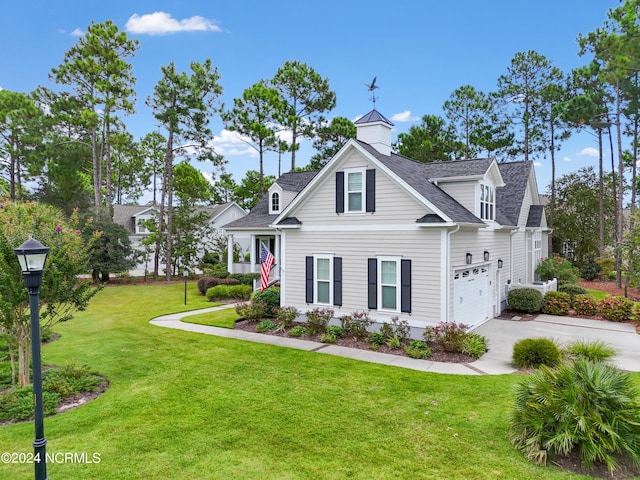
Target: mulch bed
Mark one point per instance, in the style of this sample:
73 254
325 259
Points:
438 353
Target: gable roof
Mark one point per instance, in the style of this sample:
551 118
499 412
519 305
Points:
259 216
509 198
371 117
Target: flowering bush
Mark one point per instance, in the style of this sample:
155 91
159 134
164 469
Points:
556 303
557 267
356 324
450 335
584 304
616 309
318 319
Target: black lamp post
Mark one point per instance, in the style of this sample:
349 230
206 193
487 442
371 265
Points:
186 277
32 256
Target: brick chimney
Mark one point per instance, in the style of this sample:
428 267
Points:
374 129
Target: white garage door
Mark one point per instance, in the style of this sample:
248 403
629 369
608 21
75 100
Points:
471 295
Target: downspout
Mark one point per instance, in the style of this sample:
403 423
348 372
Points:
447 276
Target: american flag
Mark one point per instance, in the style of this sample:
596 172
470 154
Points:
265 269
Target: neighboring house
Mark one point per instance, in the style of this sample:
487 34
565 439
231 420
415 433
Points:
374 231
133 218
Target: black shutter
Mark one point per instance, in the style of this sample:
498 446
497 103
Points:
337 281
371 191
405 286
372 283
309 280
339 192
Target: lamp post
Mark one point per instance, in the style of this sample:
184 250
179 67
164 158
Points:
186 277
32 256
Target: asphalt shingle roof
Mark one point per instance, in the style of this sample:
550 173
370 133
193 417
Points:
509 198
259 216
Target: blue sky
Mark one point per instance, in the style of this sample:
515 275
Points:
419 51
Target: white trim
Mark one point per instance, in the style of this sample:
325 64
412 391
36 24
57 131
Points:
283 269
363 189
445 276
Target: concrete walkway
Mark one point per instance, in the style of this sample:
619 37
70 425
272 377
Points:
501 335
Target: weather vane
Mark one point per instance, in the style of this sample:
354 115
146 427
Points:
372 88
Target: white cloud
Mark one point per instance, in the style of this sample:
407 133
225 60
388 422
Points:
230 144
404 117
77 33
566 159
537 164
161 23
589 152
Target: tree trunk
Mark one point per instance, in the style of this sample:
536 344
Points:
169 173
553 185
601 191
619 224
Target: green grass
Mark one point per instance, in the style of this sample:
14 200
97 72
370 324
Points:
219 318
597 294
184 406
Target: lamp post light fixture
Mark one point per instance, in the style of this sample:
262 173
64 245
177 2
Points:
32 256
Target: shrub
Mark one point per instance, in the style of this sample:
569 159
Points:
556 303
588 406
245 278
271 298
594 351
450 335
229 292
70 380
297 331
607 267
219 270
397 328
205 283
265 326
572 289
328 338
417 349
317 320
286 316
534 352
557 267
590 270
616 309
376 339
356 324
527 300
474 345
251 311
585 305
336 331
394 342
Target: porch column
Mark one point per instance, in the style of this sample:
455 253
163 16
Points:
277 255
230 253
252 252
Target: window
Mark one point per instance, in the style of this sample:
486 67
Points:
140 225
487 202
389 284
389 289
275 202
323 280
354 191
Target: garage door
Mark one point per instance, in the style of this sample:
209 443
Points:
471 295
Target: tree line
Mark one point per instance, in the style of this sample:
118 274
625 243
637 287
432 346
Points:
70 147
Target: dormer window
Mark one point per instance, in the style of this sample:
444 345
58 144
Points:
354 191
275 202
487 202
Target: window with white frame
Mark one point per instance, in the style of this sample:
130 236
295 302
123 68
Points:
388 283
355 191
275 202
487 202
140 225
323 279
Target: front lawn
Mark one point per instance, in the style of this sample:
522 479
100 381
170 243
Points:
184 405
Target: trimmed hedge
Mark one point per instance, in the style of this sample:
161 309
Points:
245 278
572 289
585 305
270 297
229 292
205 283
616 309
527 300
556 303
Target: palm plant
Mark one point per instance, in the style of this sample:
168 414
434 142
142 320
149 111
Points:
584 405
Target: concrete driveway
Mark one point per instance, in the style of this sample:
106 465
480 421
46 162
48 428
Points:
502 334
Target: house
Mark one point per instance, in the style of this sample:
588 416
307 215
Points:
134 218
382 233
